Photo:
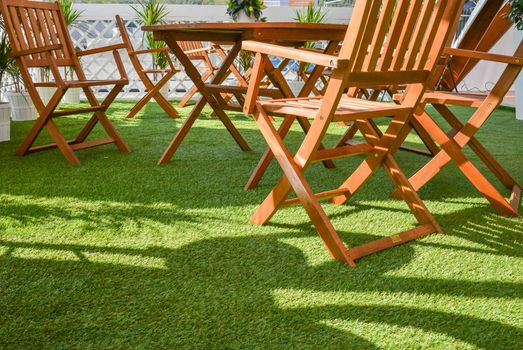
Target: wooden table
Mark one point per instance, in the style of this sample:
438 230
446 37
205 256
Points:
292 34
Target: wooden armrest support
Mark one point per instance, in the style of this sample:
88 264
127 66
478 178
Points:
101 49
142 52
484 56
295 54
372 79
37 50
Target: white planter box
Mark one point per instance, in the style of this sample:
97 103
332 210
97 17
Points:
164 90
296 86
72 96
46 93
22 107
5 121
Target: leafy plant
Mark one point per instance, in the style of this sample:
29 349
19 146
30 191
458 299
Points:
70 13
252 8
516 13
309 14
8 65
152 12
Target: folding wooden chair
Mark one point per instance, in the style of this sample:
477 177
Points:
197 52
153 90
452 143
39 38
374 23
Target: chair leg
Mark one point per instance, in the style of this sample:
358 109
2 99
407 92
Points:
194 90
452 151
349 134
42 120
488 159
267 157
101 117
294 178
61 143
154 92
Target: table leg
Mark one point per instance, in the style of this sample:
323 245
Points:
206 97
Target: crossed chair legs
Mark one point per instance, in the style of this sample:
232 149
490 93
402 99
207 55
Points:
381 153
452 145
68 148
154 92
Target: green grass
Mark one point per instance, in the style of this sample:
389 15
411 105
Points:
119 253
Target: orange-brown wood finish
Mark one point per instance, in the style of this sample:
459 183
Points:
153 89
452 143
39 38
374 25
234 34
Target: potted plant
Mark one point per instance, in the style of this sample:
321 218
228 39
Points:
246 10
152 12
516 15
45 92
71 15
309 14
6 67
20 104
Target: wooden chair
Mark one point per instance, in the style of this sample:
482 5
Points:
39 38
374 24
461 135
197 52
153 90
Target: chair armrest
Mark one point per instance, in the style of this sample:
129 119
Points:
36 50
317 58
100 50
143 52
484 56
114 48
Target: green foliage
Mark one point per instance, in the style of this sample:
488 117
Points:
8 65
70 13
152 12
309 14
252 8
516 13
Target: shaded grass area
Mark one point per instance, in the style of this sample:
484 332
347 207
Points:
120 253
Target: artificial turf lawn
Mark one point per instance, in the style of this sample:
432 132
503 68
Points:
120 253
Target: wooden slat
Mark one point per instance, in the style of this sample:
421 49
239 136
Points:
299 55
344 151
64 112
93 143
391 241
319 196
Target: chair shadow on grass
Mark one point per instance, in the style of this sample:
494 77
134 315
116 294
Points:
220 293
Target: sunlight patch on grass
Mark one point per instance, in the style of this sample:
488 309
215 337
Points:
386 336
44 254
125 260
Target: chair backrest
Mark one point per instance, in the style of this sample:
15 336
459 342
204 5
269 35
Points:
123 34
33 25
192 45
398 35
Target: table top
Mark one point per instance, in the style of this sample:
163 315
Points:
262 31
